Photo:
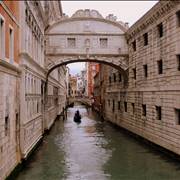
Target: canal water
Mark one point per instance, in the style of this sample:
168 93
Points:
95 150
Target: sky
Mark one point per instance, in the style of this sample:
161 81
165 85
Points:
126 11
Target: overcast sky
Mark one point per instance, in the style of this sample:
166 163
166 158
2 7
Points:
126 11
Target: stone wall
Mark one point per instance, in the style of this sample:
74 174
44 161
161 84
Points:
9 119
150 105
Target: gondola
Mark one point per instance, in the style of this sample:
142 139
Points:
77 117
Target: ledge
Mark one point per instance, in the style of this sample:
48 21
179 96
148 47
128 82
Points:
8 68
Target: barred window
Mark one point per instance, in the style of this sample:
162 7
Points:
145 70
158 112
160 66
178 62
160 30
133 109
134 73
177 116
144 109
145 36
134 45
71 42
103 42
125 106
178 18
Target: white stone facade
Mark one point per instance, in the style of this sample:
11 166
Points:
9 118
150 105
37 114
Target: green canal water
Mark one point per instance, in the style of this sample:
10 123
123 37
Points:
95 150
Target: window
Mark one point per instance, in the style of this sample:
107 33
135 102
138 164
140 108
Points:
114 75
109 102
37 107
103 42
145 70
160 30
160 66
120 77
110 79
132 104
71 42
144 109
178 18
113 108
177 116
125 106
2 38
6 125
134 45
178 62
145 36
119 105
158 112
134 73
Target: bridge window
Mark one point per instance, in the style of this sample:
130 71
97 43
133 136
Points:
144 109
134 73
177 116
134 45
160 30
178 62
145 37
103 42
114 75
160 66
145 70
178 18
120 77
125 106
158 112
71 42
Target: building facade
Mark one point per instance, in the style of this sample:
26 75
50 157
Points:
26 110
92 70
73 86
149 105
9 87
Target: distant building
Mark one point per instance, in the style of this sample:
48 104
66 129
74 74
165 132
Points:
73 86
92 69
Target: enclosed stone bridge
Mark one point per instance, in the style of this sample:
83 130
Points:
84 100
87 36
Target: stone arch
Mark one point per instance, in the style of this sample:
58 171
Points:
122 67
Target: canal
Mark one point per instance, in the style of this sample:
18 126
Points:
95 150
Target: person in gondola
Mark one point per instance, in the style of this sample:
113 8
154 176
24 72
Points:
77 117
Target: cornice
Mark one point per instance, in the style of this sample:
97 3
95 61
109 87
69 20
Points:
9 13
64 20
34 63
9 68
157 11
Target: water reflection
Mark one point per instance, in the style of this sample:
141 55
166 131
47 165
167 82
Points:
84 148
94 150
